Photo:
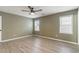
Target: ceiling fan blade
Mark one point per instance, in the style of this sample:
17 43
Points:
25 11
38 10
30 7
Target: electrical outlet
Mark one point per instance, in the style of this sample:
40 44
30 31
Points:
14 35
56 35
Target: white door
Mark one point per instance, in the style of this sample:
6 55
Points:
0 28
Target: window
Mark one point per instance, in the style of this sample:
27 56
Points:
0 22
66 24
37 25
0 28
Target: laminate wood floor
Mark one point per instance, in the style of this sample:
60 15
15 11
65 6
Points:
37 45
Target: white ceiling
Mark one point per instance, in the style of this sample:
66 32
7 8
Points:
46 10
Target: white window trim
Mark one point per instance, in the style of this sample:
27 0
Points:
34 26
0 28
72 23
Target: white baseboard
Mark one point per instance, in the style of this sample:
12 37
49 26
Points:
39 36
57 39
15 38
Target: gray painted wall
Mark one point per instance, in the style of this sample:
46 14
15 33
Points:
15 26
49 26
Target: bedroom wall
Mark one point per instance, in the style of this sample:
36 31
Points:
15 26
49 26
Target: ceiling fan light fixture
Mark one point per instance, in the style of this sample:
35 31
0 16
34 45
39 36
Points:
32 13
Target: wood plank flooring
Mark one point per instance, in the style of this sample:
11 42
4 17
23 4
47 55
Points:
37 45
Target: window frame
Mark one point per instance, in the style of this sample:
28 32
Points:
71 24
35 25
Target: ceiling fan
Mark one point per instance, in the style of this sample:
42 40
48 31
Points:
31 10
